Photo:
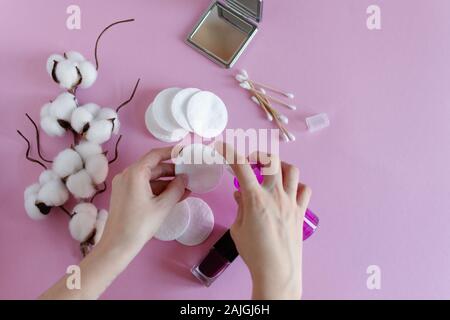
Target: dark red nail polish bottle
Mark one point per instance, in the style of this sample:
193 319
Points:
221 255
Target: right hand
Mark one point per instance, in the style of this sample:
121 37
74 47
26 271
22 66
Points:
268 231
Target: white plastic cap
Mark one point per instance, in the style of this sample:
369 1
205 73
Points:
318 122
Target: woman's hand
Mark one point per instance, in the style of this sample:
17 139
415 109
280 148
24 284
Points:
140 202
268 230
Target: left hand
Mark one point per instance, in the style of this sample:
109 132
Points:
140 202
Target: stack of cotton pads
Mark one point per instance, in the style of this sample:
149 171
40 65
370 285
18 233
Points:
176 112
190 223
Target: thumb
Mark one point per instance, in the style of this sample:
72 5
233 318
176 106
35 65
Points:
174 191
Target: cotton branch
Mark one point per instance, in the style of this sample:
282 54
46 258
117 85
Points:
116 151
101 34
38 139
27 154
130 98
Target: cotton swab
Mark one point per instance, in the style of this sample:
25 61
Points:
248 86
284 133
286 94
243 76
272 114
290 106
269 116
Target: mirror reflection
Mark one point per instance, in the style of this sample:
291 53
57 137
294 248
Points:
221 34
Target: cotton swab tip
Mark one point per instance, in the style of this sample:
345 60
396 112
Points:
244 73
255 100
263 91
240 78
290 95
291 136
245 85
284 136
292 107
283 119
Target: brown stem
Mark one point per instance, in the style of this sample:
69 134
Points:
38 139
66 211
130 98
27 154
116 151
101 34
99 192
74 134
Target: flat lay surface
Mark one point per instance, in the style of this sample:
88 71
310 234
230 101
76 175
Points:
379 173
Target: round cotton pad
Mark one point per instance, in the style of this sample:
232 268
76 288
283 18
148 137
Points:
162 109
200 225
160 133
202 165
179 107
175 223
207 114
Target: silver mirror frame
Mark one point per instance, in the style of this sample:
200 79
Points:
209 54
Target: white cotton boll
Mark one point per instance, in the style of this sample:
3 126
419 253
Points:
67 74
80 118
54 193
74 56
51 127
100 225
31 190
45 110
63 106
97 167
32 210
80 185
87 149
88 74
109 114
67 162
47 176
51 61
82 223
92 108
99 131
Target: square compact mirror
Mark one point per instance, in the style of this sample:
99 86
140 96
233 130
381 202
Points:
225 30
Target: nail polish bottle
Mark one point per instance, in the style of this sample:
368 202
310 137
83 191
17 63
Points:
221 255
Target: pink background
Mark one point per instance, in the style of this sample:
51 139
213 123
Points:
380 174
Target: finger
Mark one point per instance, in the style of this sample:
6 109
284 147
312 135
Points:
237 197
150 160
163 170
270 169
158 186
290 178
303 195
239 165
174 191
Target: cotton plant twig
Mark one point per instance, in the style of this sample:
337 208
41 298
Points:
65 211
99 191
27 154
38 139
116 151
101 34
130 98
